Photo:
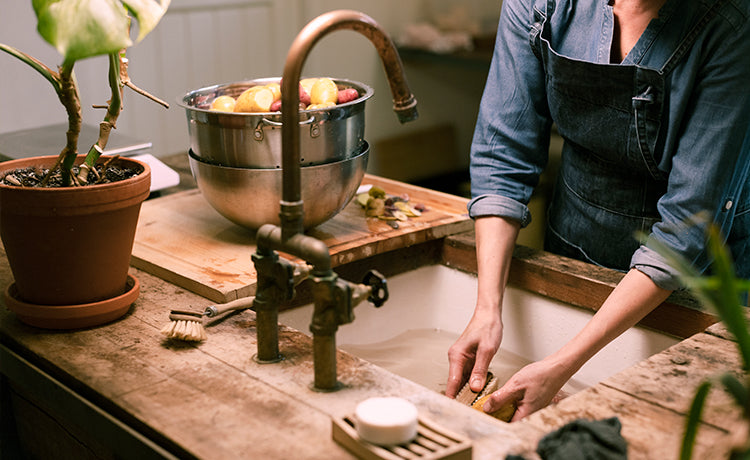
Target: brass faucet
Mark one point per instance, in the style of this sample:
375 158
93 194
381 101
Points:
334 298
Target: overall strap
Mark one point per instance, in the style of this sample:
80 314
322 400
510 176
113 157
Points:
691 36
541 10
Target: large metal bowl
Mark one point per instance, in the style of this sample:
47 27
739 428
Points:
253 140
250 197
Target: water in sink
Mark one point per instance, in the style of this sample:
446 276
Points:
428 309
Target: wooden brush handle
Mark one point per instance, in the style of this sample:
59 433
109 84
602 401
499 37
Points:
236 304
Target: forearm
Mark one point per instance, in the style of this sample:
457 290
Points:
632 299
495 241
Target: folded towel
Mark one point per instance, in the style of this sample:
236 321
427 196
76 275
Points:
585 440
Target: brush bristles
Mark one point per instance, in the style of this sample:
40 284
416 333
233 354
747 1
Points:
187 330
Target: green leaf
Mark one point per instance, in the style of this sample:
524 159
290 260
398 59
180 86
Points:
693 420
736 389
84 28
148 13
720 291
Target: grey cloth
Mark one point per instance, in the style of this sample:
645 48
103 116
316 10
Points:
585 440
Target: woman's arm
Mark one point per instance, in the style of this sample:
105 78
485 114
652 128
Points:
534 386
470 356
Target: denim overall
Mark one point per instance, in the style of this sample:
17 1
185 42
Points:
609 184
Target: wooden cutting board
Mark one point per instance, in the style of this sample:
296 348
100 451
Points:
182 239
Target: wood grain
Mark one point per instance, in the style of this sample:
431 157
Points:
182 239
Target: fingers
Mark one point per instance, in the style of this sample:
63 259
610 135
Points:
481 366
501 398
456 373
521 413
454 385
470 356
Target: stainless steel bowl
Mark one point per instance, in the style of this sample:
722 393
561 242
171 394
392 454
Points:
250 197
253 140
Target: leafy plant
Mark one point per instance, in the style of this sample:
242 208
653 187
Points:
723 292
79 29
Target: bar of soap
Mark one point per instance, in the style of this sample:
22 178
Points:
386 421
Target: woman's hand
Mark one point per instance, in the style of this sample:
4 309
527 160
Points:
470 356
534 386
530 389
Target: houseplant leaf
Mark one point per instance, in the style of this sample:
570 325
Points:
148 13
83 28
693 420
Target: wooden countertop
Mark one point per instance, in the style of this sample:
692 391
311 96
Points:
213 401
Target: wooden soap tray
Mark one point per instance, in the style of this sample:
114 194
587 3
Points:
432 442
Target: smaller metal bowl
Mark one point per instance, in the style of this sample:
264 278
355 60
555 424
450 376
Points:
251 197
253 140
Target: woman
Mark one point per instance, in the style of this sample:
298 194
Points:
652 98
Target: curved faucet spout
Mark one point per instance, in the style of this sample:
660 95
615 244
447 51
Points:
404 103
334 298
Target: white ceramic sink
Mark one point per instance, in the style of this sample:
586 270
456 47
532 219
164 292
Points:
428 309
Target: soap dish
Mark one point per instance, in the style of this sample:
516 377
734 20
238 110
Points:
432 442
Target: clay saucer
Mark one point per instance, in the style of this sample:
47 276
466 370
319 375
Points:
73 316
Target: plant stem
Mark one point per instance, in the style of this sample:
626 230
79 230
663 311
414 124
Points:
118 65
70 99
49 74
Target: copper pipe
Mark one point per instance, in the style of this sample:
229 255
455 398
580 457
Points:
404 103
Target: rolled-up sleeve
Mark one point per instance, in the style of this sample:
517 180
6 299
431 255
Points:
511 137
709 162
494 205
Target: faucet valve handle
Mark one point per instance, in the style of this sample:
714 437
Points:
301 273
378 286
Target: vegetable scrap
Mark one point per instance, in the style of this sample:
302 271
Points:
377 203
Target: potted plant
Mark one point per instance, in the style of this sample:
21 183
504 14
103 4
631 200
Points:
67 221
723 292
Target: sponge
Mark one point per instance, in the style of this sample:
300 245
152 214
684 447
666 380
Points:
505 413
477 399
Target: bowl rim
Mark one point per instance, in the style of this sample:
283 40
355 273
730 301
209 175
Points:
183 101
364 148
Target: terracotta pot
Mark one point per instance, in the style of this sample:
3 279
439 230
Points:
70 246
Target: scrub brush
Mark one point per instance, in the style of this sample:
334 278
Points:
477 399
188 325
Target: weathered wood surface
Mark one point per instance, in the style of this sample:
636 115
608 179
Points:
652 431
182 239
212 400
652 398
670 378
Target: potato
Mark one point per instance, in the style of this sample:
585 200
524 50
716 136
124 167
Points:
324 105
276 106
324 91
223 104
275 89
347 95
254 99
307 84
304 95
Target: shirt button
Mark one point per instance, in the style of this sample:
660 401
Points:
728 205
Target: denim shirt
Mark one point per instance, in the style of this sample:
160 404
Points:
705 121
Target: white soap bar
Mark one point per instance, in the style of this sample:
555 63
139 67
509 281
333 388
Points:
386 421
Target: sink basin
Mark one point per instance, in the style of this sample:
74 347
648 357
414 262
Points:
428 309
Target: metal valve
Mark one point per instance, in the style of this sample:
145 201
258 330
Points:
377 283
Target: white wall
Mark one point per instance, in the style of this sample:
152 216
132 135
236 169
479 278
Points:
205 42
198 43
